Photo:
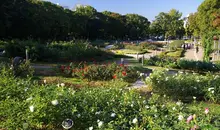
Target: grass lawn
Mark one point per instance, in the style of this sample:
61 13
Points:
128 51
78 83
178 53
55 64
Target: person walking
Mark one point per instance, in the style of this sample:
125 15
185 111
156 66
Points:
197 49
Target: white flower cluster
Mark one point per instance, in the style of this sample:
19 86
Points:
211 89
55 102
100 123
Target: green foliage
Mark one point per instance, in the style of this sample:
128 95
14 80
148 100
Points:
27 104
55 51
168 24
23 70
198 66
136 26
176 44
171 62
208 42
185 86
206 15
151 45
2 44
44 20
176 54
162 61
192 25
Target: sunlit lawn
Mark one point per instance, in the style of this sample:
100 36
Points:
128 51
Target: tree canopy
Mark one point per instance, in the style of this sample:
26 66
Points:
169 24
208 16
44 20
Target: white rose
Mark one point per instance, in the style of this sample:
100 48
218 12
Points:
113 115
62 84
180 117
31 108
100 123
55 102
134 121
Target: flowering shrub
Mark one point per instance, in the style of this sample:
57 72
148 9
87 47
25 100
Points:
50 107
198 66
185 86
23 70
100 71
26 104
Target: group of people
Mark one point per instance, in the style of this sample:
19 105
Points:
189 46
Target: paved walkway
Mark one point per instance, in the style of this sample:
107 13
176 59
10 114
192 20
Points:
192 55
139 84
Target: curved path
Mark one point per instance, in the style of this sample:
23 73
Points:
192 55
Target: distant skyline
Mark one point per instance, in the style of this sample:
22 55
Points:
146 8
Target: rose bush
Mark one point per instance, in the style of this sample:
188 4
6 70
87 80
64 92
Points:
27 104
47 106
100 71
185 86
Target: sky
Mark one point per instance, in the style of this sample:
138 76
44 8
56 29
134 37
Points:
146 8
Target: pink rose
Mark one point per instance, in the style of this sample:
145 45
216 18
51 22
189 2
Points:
206 110
189 119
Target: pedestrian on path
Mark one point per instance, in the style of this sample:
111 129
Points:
197 49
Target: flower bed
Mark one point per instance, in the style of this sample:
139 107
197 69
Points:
28 105
100 71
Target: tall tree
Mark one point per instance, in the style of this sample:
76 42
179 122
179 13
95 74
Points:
87 16
170 24
192 25
137 26
114 25
208 12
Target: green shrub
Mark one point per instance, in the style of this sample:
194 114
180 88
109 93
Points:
162 61
17 48
55 51
185 86
198 66
2 44
151 45
23 70
176 44
34 106
177 53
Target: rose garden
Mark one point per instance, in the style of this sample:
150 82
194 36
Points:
58 83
